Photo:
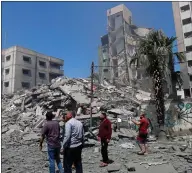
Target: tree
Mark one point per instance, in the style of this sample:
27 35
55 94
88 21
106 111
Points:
155 53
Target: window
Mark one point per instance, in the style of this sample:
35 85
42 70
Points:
130 20
27 59
54 65
104 50
7 71
42 75
25 85
8 58
27 72
186 21
190 63
189 48
42 63
105 70
104 60
190 77
185 8
188 34
6 84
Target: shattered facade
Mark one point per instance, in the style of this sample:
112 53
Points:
118 48
23 68
104 60
123 39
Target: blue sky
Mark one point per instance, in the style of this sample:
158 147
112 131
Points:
72 30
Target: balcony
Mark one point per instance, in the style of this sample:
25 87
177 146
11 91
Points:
53 76
56 71
57 61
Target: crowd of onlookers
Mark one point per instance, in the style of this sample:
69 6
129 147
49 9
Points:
73 140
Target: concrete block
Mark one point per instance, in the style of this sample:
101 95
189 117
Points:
114 167
145 168
31 136
28 100
17 102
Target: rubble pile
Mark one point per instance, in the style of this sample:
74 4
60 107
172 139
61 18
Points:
23 112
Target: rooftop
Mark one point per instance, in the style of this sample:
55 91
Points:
35 52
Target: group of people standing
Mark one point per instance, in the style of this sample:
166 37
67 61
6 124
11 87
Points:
73 142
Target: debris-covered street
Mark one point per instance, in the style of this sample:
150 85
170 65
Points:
24 156
23 117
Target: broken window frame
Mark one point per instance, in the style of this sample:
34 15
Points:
41 64
6 84
42 75
189 48
8 58
183 8
28 72
105 70
27 59
7 71
188 34
186 21
25 85
189 63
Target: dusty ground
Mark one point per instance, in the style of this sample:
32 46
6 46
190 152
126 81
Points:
24 157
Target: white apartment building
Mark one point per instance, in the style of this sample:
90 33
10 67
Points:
182 12
23 69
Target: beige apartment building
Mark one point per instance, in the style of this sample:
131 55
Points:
24 68
182 12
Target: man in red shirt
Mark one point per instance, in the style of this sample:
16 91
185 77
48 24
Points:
104 135
143 124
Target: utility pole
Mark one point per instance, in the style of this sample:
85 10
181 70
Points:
92 72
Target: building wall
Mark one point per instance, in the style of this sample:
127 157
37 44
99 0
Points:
177 115
17 76
104 63
9 64
116 20
182 42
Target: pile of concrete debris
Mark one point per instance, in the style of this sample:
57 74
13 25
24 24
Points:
24 111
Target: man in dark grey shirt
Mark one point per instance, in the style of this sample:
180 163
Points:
72 143
51 131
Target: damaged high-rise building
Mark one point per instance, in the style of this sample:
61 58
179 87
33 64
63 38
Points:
122 40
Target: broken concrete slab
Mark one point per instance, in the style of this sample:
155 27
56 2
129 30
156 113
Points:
31 136
114 167
14 127
120 112
127 145
18 102
145 168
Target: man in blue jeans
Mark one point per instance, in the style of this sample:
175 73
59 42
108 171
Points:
51 131
73 143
